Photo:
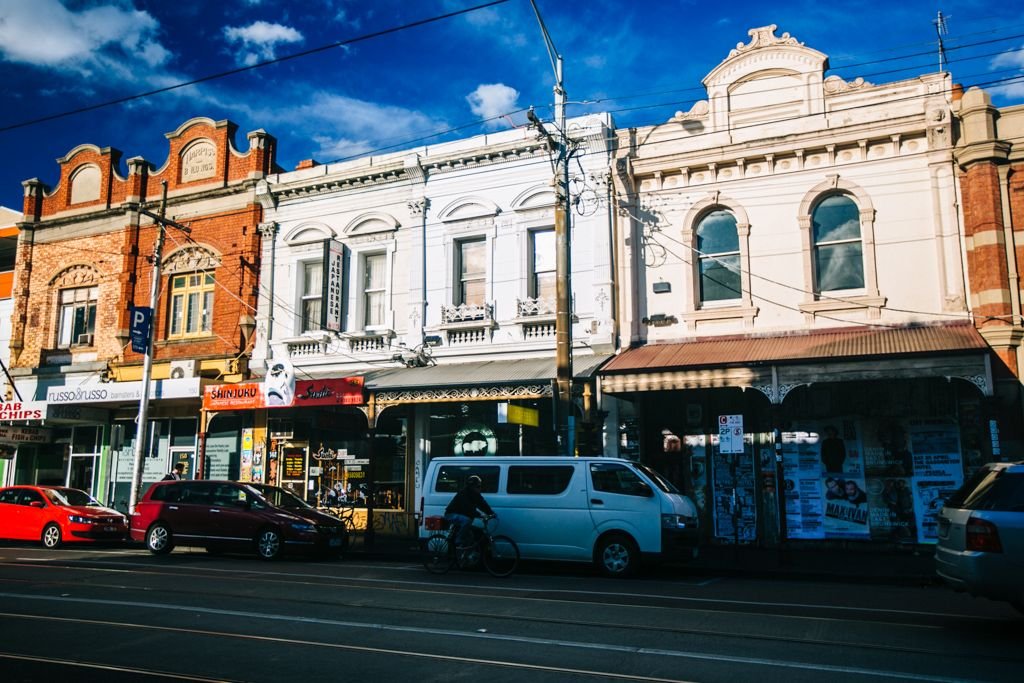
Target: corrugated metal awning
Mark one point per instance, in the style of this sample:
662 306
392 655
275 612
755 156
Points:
950 350
480 373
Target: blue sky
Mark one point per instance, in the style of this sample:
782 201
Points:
641 59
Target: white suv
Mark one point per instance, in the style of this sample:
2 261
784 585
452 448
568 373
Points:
981 535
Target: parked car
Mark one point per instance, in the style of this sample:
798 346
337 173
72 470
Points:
233 516
981 535
55 514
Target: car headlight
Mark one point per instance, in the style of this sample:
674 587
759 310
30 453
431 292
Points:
303 526
678 522
79 519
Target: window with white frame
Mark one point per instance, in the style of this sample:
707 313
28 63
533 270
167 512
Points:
374 290
718 256
77 317
312 296
191 311
542 264
838 246
471 272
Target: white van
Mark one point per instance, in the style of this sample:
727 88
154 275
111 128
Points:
607 511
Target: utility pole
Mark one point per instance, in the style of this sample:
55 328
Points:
142 431
565 415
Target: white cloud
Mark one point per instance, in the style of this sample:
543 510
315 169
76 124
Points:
596 61
1011 59
259 40
342 126
1014 59
101 38
490 100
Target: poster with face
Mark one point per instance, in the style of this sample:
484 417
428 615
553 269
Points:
887 448
846 508
892 516
839 447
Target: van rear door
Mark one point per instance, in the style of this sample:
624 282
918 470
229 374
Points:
621 500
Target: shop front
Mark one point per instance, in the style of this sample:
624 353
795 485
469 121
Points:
831 437
486 408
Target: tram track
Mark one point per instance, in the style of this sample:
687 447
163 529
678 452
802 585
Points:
493 592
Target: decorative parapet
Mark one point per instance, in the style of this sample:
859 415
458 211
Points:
529 308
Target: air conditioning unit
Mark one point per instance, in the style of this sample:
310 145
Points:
180 369
83 340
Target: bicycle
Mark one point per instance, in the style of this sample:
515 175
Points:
499 554
346 513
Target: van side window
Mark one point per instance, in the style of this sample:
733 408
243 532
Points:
196 493
452 478
617 479
229 496
539 480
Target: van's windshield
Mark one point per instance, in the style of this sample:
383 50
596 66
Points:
659 481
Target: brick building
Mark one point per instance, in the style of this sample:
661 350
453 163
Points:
84 260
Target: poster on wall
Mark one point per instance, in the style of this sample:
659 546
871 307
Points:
886 448
801 472
734 508
891 505
695 446
929 496
935 445
846 507
245 467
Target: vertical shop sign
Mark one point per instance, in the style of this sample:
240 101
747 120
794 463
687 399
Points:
334 254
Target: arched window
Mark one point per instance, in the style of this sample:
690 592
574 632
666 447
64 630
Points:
838 246
718 247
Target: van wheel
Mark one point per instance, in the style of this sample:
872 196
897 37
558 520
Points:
159 540
268 544
617 556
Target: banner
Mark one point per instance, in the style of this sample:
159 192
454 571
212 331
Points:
344 391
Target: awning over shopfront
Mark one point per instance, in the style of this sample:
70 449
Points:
776 364
496 380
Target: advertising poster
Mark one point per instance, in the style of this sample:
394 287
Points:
929 496
839 447
886 448
695 445
801 471
936 449
734 505
891 505
846 508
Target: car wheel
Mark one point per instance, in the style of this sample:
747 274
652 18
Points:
617 556
51 536
159 539
268 544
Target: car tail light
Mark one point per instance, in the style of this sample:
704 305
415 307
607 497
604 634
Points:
982 535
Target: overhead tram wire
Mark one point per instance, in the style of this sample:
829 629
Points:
251 67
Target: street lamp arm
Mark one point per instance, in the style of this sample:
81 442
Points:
549 44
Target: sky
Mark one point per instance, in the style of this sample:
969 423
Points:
78 71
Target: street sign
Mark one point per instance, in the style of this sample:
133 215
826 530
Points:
359 461
141 317
730 433
524 416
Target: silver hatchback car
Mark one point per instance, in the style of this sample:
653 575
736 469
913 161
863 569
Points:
981 535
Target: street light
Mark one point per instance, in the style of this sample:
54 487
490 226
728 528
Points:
563 257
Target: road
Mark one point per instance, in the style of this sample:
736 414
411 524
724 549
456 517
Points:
119 614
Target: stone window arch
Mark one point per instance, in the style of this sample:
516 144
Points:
716 236
76 298
85 184
837 226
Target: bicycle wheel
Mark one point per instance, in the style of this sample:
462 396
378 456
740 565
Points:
437 555
501 556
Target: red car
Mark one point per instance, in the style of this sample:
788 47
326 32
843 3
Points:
55 515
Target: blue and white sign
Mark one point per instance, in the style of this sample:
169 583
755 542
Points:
730 433
142 316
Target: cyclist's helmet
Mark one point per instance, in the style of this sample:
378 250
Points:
474 481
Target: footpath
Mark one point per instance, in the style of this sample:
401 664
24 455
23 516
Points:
899 565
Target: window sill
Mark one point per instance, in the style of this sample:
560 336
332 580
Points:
873 304
184 340
715 314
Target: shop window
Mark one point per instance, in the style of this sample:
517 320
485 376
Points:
374 290
471 271
191 305
77 317
452 478
312 296
86 440
617 479
838 248
539 480
718 254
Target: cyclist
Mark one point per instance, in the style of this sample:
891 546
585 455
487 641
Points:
463 508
